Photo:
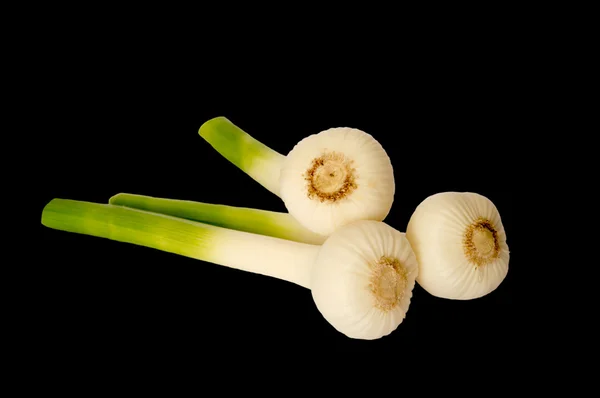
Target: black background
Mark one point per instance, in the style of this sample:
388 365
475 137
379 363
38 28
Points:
124 121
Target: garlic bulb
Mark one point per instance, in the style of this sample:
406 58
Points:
327 180
335 177
363 278
460 245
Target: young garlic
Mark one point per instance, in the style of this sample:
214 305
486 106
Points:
460 245
327 180
361 278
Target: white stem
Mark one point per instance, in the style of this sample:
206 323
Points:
267 169
265 255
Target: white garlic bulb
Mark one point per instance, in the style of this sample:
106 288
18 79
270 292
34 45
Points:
460 245
335 177
327 180
363 278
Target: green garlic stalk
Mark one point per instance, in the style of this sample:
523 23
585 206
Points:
361 278
262 222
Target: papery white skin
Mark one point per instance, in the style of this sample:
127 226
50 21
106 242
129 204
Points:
341 277
374 177
436 231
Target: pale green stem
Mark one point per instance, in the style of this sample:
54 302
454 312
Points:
254 158
263 222
278 258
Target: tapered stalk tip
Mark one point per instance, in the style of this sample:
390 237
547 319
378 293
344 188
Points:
208 127
254 158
